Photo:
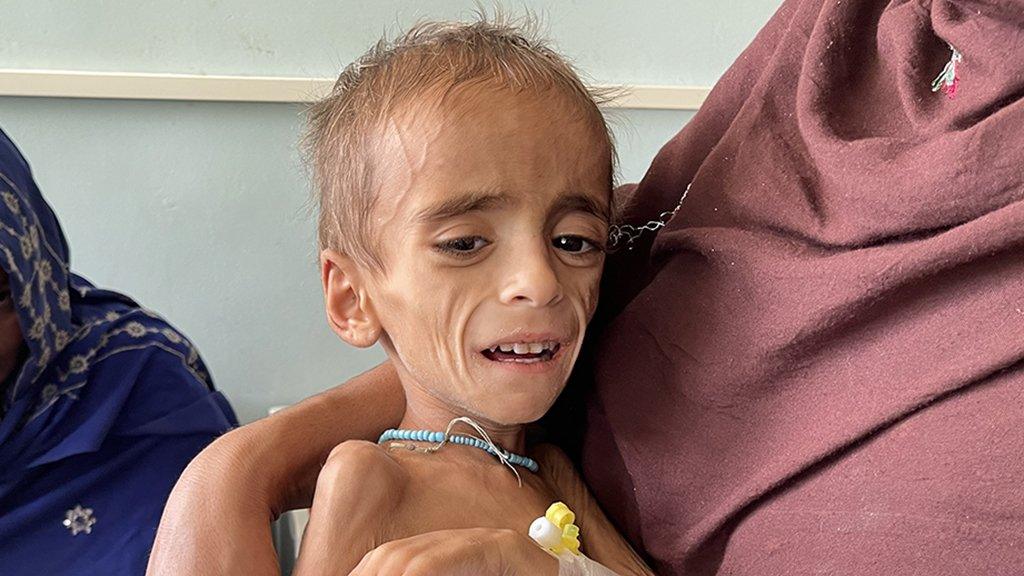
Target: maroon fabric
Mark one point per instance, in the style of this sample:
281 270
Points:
823 371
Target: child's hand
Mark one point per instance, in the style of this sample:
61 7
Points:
469 552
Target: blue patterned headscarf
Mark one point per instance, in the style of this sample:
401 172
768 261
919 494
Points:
102 377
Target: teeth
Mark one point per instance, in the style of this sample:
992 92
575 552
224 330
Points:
524 347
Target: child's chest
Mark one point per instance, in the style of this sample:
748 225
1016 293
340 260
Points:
433 498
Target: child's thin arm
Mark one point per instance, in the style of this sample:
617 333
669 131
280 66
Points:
601 540
217 520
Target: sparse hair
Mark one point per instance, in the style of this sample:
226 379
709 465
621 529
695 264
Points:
341 126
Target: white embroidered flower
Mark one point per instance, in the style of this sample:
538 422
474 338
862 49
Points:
36 332
61 339
45 270
171 335
33 234
135 330
64 300
12 202
79 519
78 364
26 246
49 391
111 316
26 298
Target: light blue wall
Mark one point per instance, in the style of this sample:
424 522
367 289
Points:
637 41
199 209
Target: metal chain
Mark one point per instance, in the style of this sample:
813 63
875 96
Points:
629 233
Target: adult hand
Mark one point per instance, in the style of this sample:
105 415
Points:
466 552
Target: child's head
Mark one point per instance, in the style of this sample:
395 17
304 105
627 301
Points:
464 175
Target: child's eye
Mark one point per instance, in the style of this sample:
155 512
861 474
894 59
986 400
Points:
464 246
6 301
575 245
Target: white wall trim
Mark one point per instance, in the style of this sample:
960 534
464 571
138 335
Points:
141 86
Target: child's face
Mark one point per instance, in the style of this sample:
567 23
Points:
492 216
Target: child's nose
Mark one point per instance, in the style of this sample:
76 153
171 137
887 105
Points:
532 281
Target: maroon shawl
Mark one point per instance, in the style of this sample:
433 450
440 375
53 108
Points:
823 368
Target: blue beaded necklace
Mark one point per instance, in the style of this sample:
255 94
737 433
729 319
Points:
441 438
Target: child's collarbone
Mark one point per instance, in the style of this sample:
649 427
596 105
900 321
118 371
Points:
442 493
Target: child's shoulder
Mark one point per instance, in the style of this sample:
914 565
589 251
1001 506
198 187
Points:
363 470
357 492
360 456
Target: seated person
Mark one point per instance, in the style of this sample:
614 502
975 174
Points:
464 176
102 403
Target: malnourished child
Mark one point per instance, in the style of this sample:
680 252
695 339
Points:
464 177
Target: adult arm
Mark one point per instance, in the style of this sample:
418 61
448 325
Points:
217 520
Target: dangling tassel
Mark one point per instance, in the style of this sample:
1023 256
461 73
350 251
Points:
949 79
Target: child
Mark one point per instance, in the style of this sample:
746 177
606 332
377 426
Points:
464 178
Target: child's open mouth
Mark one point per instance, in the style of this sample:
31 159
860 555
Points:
522 352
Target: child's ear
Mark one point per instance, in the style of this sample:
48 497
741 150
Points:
349 311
